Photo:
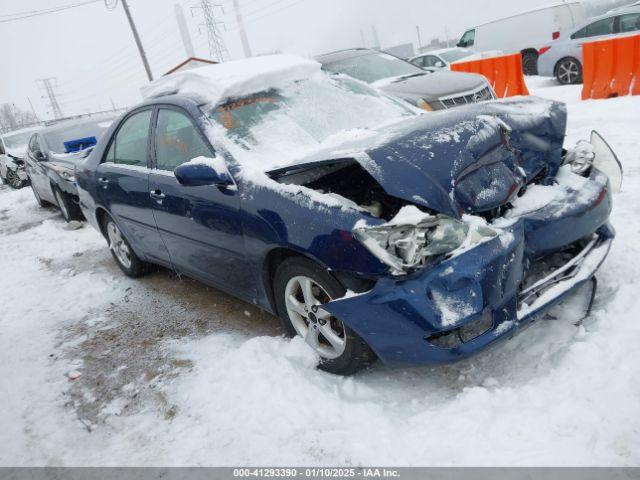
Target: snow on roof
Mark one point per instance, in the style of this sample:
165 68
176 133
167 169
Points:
215 83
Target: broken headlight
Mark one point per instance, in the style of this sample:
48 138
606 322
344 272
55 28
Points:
580 158
66 173
405 246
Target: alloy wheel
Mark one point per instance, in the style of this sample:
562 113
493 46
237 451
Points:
322 331
568 72
13 179
118 246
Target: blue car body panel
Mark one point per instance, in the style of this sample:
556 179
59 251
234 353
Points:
225 235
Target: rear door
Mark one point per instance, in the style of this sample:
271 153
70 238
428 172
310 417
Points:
123 179
201 226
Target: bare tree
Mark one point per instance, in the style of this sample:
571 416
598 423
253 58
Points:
12 117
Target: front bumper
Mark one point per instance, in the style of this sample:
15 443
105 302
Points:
479 295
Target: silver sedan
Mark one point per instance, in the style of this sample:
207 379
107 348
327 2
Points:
563 58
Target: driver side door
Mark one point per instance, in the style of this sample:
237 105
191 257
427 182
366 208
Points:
200 225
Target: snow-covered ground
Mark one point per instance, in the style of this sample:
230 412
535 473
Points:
174 373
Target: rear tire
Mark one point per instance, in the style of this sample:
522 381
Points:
70 211
341 350
121 250
530 63
569 71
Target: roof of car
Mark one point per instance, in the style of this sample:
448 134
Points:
345 54
60 126
610 13
213 84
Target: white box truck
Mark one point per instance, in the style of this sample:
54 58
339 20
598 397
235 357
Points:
525 32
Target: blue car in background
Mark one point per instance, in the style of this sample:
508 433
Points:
372 229
51 157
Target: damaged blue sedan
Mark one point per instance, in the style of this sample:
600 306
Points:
371 228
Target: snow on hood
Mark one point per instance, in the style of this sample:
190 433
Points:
18 152
215 83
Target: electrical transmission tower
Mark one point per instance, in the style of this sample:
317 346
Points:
49 85
217 48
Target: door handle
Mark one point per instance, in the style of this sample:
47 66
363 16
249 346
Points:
103 181
157 195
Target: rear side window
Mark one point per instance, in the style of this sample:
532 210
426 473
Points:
595 29
630 22
131 142
177 140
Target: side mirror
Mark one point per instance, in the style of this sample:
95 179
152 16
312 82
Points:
439 64
198 174
40 156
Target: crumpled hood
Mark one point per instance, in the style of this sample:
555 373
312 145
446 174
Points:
469 159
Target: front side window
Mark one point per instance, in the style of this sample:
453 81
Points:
1 148
177 140
130 145
468 39
630 22
34 144
431 61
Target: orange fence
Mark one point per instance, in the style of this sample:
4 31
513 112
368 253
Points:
611 68
503 73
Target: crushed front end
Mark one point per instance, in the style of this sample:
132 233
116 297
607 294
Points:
524 224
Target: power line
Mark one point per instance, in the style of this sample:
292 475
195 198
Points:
36 13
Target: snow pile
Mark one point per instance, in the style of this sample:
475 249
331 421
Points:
215 83
569 185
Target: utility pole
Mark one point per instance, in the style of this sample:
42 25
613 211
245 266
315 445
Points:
33 109
217 47
137 39
49 84
243 32
184 31
419 39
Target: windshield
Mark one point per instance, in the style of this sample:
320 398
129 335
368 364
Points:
17 141
373 67
279 125
455 55
76 137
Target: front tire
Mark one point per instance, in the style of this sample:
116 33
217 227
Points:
14 180
300 288
569 71
121 250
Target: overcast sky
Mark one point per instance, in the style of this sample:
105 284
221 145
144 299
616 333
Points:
91 51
